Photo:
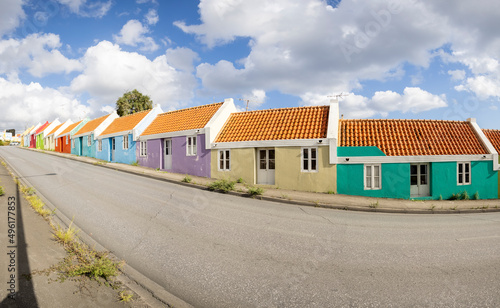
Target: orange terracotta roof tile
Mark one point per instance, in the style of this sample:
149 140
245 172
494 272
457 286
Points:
411 137
184 119
125 123
71 127
494 136
91 125
54 130
276 124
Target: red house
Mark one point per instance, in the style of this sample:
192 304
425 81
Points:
63 141
33 136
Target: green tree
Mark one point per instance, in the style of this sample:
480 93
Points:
132 102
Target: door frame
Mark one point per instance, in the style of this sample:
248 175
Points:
422 190
165 160
266 176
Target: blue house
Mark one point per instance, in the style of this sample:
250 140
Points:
83 141
117 143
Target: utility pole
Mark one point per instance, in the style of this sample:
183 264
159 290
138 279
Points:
247 101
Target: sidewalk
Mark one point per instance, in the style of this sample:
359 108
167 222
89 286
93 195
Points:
342 202
33 249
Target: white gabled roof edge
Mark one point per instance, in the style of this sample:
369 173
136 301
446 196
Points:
485 141
217 121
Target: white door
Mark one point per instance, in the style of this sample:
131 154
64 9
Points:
265 168
419 180
167 154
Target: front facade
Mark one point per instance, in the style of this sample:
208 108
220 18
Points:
83 142
289 148
50 138
40 137
117 143
179 141
63 140
24 136
34 133
415 159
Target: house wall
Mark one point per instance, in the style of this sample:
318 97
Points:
155 153
288 174
87 151
484 180
121 156
395 181
243 162
199 165
396 178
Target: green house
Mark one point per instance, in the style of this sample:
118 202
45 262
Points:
415 159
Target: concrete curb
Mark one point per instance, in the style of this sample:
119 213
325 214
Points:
154 289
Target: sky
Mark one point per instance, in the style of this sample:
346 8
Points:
397 59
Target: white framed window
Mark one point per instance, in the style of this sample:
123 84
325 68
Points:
89 140
463 173
191 146
67 138
99 145
143 148
373 176
224 160
125 142
309 159
56 141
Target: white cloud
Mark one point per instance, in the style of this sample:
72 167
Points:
95 9
11 15
308 48
134 33
483 86
182 58
38 53
109 72
35 103
152 17
412 100
457 74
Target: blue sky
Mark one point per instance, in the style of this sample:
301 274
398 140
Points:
394 59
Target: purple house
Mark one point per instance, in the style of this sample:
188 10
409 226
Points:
179 141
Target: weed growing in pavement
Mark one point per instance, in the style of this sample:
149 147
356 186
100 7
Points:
285 196
223 186
1 191
38 205
136 163
187 179
316 203
440 197
65 236
432 207
255 191
240 180
157 169
374 205
475 196
331 192
125 297
453 208
485 207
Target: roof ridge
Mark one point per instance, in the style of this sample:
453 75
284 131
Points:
190 108
279 109
407 120
135 113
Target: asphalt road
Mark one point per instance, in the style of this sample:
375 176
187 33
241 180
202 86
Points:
215 250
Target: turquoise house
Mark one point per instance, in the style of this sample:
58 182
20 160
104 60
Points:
83 142
415 159
117 143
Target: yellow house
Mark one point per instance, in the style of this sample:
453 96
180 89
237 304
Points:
24 134
289 148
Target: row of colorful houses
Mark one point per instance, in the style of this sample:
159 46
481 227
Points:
302 148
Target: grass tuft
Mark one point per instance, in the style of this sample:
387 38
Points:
255 191
187 179
125 297
223 186
1 191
